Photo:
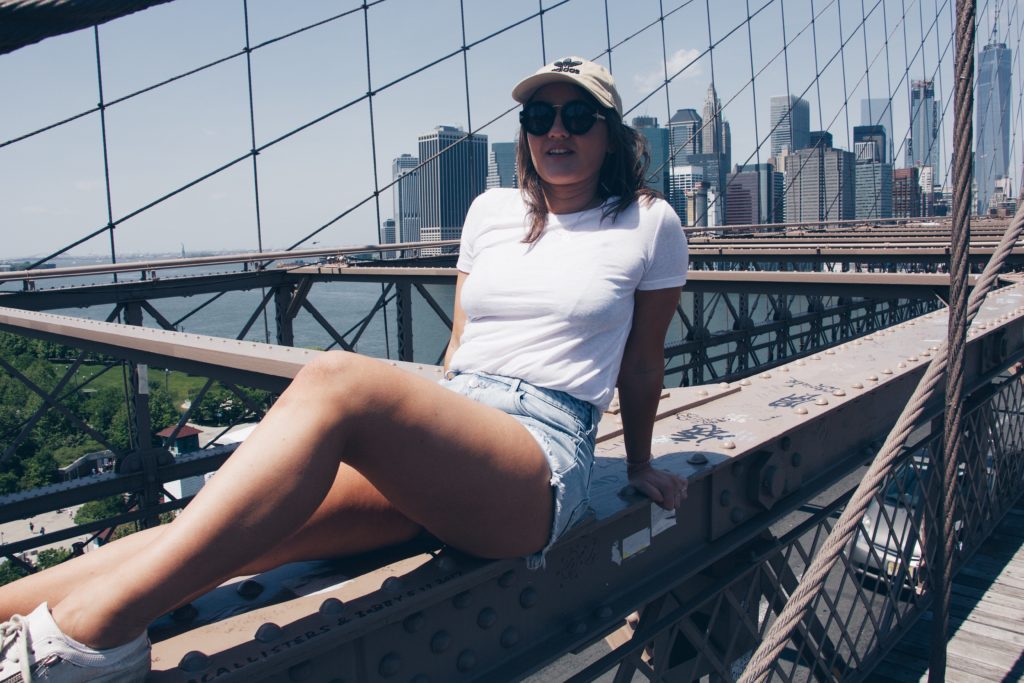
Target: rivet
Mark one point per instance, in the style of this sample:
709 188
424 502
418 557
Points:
331 607
785 443
887 371
249 589
301 671
821 401
901 365
766 375
528 598
466 660
744 382
697 459
414 622
268 632
857 385
796 459
577 628
728 445
830 352
872 378
784 369
194 662
510 637
184 614
486 618
816 357
390 664
839 392
702 392
869 338
392 584
801 362
736 515
933 348
725 498
463 600
856 342
723 385
603 612
507 579
440 642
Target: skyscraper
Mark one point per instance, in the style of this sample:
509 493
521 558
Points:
454 172
790 123
501 165
873 192
992 121
685 136
406 194
878 112
820 185
682 181
751 195
658 146
712 114
923 147
717 160
876 135
906 193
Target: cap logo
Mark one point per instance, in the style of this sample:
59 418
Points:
566 66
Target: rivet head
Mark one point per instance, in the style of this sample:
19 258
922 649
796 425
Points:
392 584
839 392
784 369
857 385
249 589
414 622
194 662
268 632
697 459
725 498
702 392
528 598
510 637
440 642
390 664
821 401
744 382
466 660
830 352
801 362
816 357
856 342
507 579
801 410
872 378
331 607
887 371
869 338
445 563
796 459
463 600
728 445
766 375
487 618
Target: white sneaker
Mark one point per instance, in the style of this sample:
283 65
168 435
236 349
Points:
33 648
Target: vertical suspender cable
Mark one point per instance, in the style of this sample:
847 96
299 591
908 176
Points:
963 131
373 135
102 107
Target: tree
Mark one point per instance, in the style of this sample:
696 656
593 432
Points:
51 557
97 510
10 572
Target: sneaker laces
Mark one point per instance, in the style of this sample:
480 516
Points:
15 632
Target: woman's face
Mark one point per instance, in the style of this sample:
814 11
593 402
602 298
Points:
562 159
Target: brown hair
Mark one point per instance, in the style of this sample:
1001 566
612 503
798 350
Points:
622 174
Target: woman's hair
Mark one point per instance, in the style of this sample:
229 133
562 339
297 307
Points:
622 174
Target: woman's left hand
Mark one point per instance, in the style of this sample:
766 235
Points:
664 488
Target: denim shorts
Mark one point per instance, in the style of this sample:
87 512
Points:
566 429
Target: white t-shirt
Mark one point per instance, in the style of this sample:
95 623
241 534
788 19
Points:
557 312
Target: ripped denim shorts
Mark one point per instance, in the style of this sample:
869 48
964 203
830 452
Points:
566 429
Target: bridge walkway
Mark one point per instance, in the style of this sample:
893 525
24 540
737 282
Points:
986 617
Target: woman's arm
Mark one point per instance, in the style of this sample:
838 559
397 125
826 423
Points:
640 383
458 321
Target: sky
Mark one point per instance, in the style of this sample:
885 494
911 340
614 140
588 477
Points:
321 178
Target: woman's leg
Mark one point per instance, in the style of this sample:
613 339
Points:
468 473
353 518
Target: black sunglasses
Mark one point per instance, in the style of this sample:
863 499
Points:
578 117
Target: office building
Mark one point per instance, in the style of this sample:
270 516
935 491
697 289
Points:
388 236
697 205
406 198
683 179
821 184
906 193
658 147
923 146
873 191
685 136
501 165
992 107
751 194
878 148
790 123
454 172
878 112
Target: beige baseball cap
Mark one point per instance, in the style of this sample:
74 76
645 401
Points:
588 75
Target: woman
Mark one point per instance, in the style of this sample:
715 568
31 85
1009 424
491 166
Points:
564 291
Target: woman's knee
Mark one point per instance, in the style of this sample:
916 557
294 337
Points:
340 377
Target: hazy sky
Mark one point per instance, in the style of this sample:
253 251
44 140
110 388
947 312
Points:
52 188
